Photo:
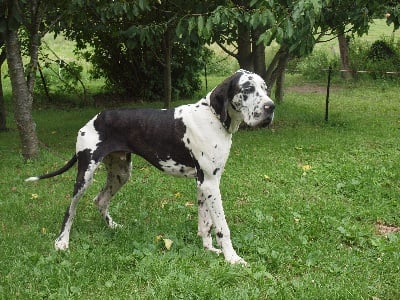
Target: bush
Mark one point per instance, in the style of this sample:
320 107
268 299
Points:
138 73
220 64
376 58
381 50
314 65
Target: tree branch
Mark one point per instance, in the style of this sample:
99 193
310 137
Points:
226 50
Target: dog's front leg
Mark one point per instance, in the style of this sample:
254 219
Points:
205 223
211 209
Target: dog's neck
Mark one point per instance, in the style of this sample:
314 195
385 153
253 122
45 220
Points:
234 117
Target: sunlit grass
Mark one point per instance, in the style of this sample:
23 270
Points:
302 199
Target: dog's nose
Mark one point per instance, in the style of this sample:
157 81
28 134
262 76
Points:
269 107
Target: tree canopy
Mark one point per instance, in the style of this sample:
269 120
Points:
153 49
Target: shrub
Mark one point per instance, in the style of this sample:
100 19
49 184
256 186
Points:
381 50
314 65
220 64
376 58
138 73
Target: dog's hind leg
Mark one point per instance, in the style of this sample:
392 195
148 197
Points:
86 168
119 166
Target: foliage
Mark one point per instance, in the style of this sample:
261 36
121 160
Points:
314 66
369 57
303 200
133 71
381 50
393 9
220 64
127 47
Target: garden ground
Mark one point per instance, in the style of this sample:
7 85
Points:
313 207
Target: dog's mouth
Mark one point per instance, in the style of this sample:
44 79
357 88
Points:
267 121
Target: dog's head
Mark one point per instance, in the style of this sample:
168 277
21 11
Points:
242 97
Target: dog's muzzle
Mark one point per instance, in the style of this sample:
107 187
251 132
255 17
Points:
269 109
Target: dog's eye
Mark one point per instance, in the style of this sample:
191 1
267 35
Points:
248 90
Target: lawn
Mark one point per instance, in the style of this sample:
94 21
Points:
313 207
307 203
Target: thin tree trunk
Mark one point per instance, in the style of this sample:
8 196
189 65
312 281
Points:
3 115
280 80
258 54
344 56
22 98
276 68
46 89
244 54
34 44
167 68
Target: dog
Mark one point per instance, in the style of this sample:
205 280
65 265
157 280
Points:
190 141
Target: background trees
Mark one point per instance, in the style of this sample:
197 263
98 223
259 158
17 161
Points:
153 49
134 46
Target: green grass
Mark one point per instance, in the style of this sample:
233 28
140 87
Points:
302 200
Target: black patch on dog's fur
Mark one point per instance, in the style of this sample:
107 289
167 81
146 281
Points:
222 96
151 133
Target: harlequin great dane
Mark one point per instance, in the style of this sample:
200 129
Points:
191 141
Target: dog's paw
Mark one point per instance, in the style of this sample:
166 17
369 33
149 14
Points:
215 250
114 225
61 245
236 259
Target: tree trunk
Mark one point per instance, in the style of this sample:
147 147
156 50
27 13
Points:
34 39
280 79
3 115
244 54
167 44
276 69
22 98
260 67
344 55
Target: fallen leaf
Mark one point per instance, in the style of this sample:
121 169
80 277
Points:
178 195
189 204
267 178
385 229
306 168
168 244
34 196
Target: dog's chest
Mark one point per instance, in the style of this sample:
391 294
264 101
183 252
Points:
205 137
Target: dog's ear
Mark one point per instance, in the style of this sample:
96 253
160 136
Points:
222 95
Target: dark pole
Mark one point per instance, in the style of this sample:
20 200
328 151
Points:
205 76
327 94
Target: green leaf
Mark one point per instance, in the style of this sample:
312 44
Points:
289 29
191 25
142 4
279 34
253 3
267 37
200 25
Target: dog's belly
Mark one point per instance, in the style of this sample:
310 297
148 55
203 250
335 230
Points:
176 169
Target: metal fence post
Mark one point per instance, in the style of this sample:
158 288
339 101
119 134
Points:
327 94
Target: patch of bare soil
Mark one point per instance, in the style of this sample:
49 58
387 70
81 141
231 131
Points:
385 229
311 88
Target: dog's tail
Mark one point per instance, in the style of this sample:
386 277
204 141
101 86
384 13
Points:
67 166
